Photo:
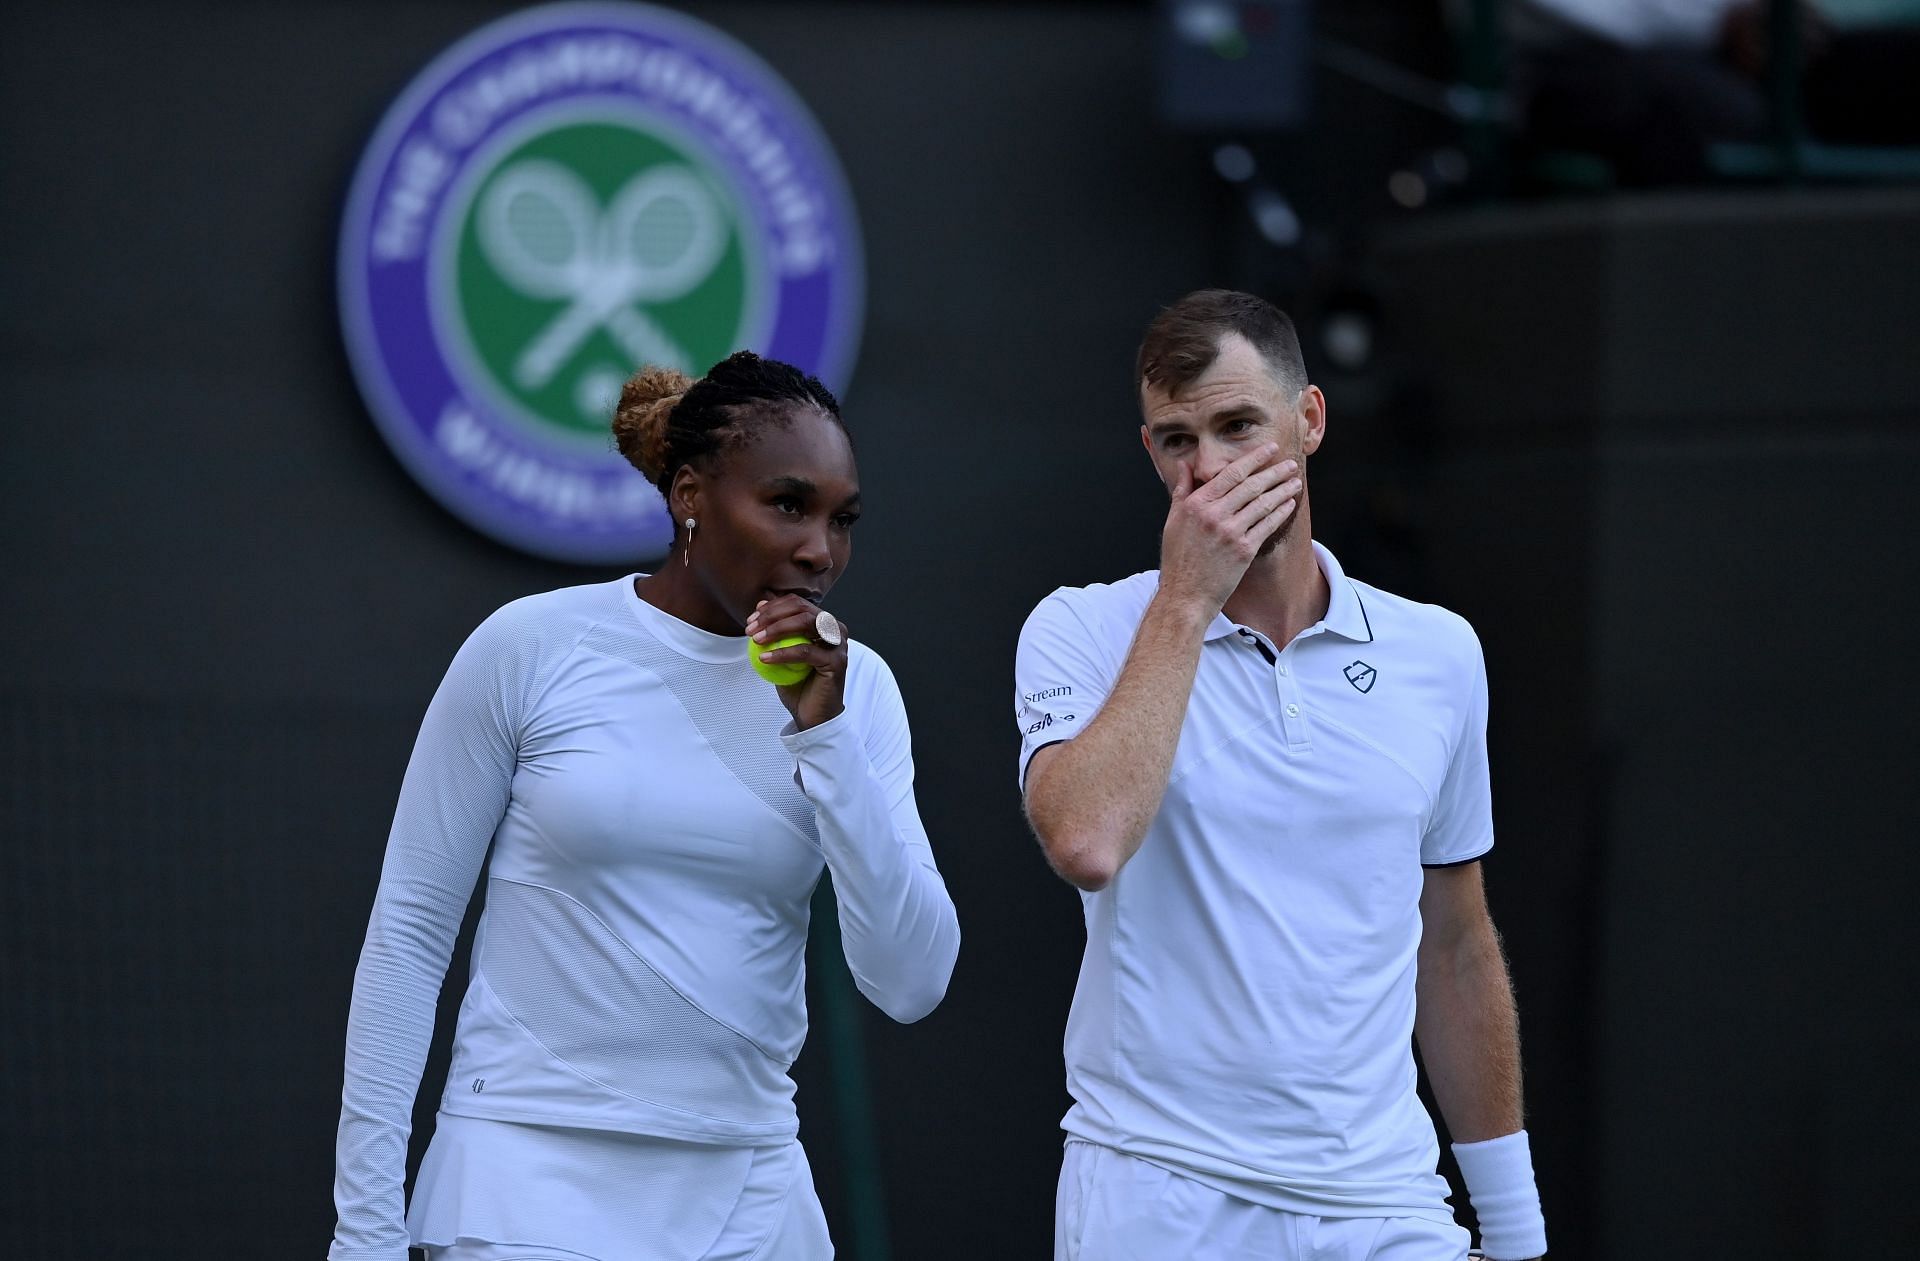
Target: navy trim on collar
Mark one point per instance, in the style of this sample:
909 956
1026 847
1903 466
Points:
1363 611
1346 612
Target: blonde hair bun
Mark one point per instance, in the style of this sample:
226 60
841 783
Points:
640 421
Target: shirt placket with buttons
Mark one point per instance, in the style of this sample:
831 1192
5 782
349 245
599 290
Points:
1286 685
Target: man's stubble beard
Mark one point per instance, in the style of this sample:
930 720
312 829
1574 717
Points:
1285 531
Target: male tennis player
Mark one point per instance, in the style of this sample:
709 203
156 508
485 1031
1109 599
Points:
1269 781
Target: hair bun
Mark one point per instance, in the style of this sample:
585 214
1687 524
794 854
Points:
640 421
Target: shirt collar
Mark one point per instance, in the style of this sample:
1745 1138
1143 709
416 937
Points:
1346 613
683 638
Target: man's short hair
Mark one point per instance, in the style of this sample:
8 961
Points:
1184 340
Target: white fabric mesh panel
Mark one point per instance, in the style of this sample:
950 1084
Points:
594 1003
745 737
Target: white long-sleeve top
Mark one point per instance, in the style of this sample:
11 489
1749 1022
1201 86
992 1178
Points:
658 827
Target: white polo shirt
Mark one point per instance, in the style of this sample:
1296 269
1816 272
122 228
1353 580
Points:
1244 1013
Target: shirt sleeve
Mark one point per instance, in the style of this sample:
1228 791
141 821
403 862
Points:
1461 828
897 923
451 800
1062 676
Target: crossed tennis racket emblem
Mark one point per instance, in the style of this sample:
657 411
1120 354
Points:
547 236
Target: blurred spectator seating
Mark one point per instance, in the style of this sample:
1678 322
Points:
1645 93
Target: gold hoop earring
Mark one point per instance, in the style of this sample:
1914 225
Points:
686 554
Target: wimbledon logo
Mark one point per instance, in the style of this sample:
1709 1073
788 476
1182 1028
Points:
565 195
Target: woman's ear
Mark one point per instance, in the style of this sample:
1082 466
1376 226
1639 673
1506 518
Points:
684 494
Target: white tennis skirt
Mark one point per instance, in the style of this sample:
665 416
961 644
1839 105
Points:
504 1191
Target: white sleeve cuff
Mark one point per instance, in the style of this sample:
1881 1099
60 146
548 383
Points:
1499 1177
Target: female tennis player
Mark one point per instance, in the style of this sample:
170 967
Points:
658 817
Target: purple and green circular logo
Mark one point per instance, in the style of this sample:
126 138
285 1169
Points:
562 196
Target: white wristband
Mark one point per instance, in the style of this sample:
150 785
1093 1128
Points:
1499 1176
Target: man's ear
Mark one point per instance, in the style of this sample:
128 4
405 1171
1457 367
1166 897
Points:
1146 443
1313 418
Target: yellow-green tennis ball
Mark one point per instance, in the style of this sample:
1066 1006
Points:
782 673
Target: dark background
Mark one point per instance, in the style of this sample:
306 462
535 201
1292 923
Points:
1661 449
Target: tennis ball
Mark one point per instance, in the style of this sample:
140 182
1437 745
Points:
782 673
